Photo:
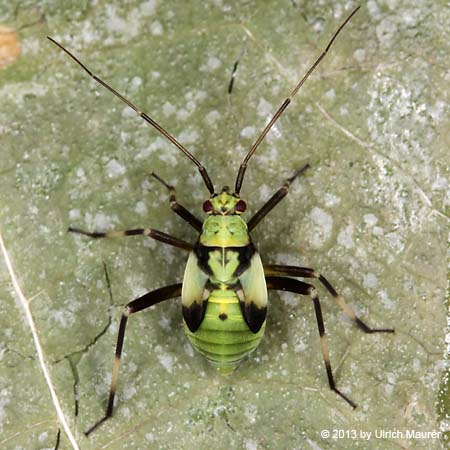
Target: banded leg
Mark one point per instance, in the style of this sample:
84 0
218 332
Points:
275 199
180 209
147 300
150 232
305 272
298 287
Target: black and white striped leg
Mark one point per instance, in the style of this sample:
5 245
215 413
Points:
147 300
274 200
305 272
150 232
180 209
298 287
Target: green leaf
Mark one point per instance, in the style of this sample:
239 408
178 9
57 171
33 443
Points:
372 215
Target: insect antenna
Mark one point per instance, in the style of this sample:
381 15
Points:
146 117
284 105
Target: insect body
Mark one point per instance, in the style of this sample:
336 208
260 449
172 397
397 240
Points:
225 284
224 292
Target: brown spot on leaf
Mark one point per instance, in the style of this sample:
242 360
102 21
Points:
9 46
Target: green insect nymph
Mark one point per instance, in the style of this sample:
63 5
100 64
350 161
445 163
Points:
224 293
225 284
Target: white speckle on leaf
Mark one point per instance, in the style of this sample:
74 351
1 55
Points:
250 445
391 379
374 9
169 157
166 360
323 223
331 200
313 444
189 136
377 231
251 413
123 26
188 349
168 109
100 221
330 94
156 28
370 281
385 31
18 91
74 214
30 46
43 436
148 8
396 242
212 117
213 63
115 169
264 192
318 26
248 132
165 323
386 301
345 236
440 184
360 55
370 220
5 400
141 208
264 108
300 347
182 114
135 83
150 437
128 391
159 145
63 318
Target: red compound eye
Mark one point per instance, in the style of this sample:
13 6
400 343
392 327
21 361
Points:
240 206
207 206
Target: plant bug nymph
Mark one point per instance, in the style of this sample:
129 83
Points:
225 286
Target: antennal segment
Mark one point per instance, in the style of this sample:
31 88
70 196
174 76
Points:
146 117
284 105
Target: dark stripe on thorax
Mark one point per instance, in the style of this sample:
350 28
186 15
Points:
244 256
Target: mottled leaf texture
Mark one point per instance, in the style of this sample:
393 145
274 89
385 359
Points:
371 214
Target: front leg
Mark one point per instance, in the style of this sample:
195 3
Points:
274 200
305 272
150 232
178 208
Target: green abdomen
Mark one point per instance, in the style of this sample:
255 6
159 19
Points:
223 337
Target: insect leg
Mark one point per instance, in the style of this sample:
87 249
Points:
305 272
180 209
298 287
147 300
150 232
274 200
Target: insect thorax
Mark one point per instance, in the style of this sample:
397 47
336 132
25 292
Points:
224 231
